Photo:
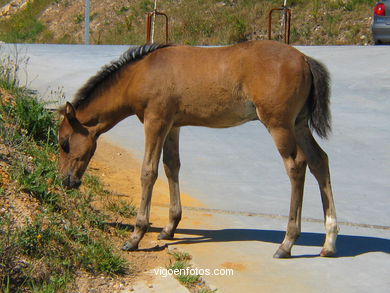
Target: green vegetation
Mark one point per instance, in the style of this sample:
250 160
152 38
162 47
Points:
122 208
198 22
41 247
181 262
180 256
24 26
184 273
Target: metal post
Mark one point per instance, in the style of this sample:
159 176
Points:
149 26
86 18
286 22
153 21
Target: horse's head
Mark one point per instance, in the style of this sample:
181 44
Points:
77 145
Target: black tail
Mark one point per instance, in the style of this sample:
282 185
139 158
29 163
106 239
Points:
319 113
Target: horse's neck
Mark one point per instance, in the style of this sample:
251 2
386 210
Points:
103 113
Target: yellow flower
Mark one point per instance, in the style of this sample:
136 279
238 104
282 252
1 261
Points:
39 236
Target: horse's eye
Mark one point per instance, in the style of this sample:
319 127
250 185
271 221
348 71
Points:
64 143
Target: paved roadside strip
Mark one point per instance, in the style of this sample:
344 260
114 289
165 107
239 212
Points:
226 241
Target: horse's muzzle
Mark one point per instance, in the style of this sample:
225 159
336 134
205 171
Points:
71 182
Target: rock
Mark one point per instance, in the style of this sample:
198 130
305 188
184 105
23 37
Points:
13 7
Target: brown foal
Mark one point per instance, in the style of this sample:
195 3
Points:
172 86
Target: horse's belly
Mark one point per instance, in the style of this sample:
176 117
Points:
217 115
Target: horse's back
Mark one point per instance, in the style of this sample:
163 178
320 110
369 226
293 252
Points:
220 86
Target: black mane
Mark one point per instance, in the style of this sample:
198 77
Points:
106 72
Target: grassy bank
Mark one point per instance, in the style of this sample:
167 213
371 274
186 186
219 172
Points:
47 233
206 22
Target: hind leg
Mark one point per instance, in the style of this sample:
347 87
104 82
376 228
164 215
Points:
295 164
171 162
318 163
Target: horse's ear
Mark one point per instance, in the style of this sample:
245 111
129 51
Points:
70 112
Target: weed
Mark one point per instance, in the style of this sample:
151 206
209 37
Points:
293 3
129 22
182 266
177 265
185 274
37 183
188 279
55 284
94 184
11 65
93 16
122 208
331 27
32 238
180 256
97 257
145 6
78 18
94 218
316 7
122 10
40 124
239 29
8 250
122 230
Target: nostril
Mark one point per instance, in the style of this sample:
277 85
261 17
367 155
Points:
71 181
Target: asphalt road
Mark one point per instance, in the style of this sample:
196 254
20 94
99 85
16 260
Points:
239 170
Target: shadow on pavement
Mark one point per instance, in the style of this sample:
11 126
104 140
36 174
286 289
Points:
347 245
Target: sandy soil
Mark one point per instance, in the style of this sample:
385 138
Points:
120 171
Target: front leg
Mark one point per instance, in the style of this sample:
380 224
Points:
155 133
171 161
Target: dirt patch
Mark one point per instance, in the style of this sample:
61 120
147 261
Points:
14 202
120 171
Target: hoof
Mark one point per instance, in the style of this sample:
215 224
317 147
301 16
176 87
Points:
280 253
165 236
128 246
327 253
